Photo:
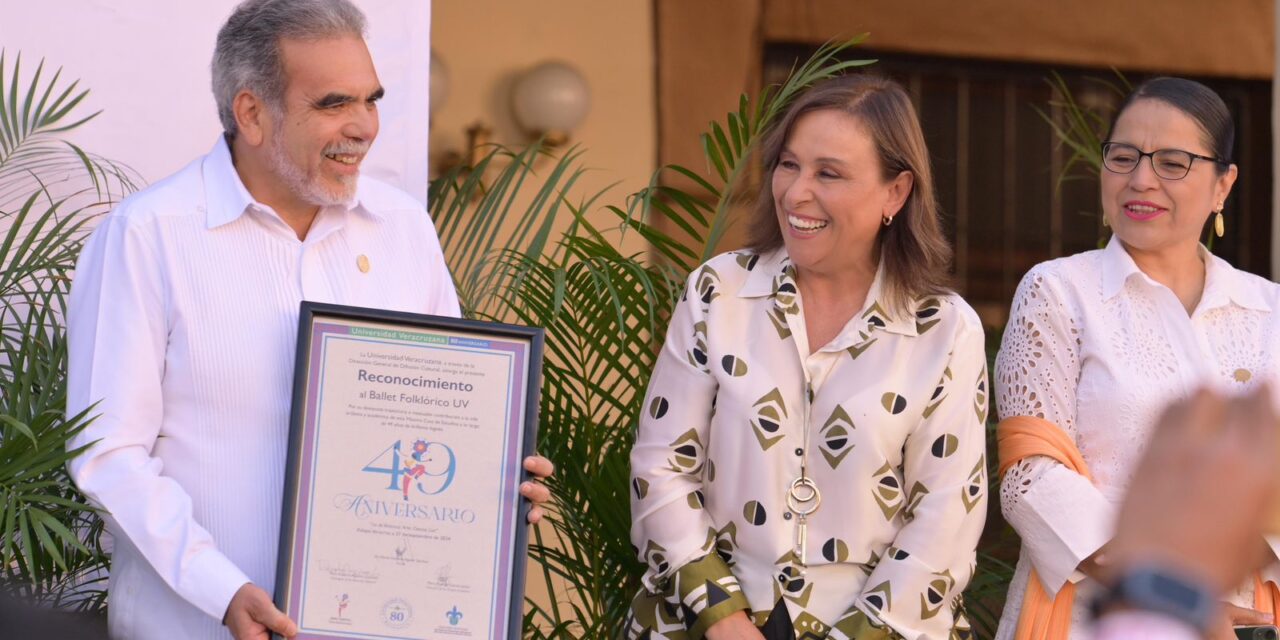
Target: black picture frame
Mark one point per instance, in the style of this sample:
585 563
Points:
303 423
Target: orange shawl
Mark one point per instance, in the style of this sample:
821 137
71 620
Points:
1021 437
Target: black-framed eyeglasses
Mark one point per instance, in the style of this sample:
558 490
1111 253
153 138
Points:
1170 164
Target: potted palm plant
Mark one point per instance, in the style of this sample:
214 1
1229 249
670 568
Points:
50 190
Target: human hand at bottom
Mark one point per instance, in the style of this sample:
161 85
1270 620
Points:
253 616
1203 491
735 627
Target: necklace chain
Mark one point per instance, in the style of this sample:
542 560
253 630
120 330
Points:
803 496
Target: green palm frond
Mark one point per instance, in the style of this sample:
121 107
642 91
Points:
32 154
985 596
601 312
49 191
701 214
479 217
1082 126
48 535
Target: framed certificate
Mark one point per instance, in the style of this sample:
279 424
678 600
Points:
402 517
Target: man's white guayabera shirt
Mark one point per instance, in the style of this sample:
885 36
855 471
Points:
182 326
1098 348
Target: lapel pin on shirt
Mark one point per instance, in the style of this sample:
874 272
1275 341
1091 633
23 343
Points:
362 263
1242 375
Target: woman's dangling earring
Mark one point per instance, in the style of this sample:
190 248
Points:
1219 227
1105 224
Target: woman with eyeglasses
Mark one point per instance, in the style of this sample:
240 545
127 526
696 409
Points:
1099 342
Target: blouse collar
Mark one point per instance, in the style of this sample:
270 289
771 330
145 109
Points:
1223 284
772 275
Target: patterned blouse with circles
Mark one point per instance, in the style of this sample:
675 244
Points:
895 407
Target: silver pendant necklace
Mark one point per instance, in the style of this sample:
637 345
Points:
803 499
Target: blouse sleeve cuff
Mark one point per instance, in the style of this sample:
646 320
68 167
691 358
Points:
210 580
1063 520
708 593
857 625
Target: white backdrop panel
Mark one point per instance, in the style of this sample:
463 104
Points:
146 63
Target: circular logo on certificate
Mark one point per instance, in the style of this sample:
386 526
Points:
397 613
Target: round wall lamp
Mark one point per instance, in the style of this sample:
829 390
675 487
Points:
549 101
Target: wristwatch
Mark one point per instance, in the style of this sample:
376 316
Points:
1159 590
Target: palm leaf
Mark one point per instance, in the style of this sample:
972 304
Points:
1082 127
701 216
599 347
30 151
49 191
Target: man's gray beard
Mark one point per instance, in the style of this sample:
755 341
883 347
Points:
309 190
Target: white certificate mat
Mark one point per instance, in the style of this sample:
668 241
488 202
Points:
402 513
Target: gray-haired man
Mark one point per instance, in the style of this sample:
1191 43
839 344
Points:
183 318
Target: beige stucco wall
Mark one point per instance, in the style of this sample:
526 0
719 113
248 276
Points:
486 43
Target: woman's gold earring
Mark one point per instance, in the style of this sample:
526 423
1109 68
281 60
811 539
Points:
1219 227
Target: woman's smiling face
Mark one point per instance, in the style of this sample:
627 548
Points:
830 194
1150 213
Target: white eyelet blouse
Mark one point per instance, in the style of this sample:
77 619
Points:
1098 348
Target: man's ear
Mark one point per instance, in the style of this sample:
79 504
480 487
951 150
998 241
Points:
253 121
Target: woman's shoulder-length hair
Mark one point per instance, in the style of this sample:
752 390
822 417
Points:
914 252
